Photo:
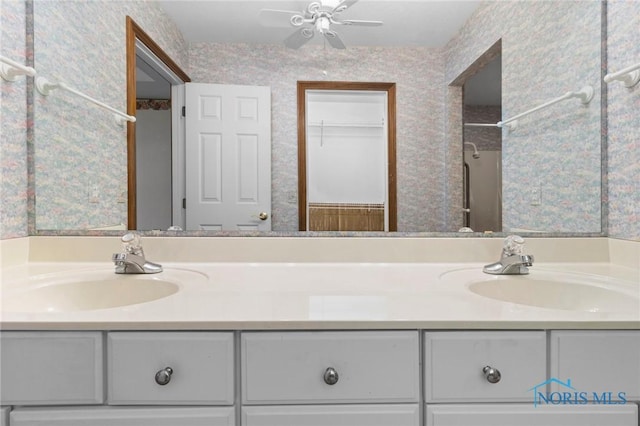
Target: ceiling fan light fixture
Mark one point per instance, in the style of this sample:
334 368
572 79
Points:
323 24
314 7
297 20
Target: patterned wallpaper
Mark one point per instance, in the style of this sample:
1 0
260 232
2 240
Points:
623 50
13 124
418 74
544 55
80 150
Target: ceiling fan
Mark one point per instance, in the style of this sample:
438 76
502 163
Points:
318 17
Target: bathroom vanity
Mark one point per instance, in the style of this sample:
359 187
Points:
267 342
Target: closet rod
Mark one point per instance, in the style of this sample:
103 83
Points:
585 94
9 69
629 75
45 87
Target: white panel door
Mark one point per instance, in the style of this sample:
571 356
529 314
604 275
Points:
228 157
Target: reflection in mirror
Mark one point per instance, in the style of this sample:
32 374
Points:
81 155
347 156
482 150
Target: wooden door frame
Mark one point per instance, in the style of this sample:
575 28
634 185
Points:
135 32
390 89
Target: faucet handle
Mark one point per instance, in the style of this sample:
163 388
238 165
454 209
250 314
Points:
513 244
131 243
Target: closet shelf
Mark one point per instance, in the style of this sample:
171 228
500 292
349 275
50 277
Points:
336 124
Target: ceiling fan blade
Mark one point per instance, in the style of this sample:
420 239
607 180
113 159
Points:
334 39
299 38
343 5
360 23
277 18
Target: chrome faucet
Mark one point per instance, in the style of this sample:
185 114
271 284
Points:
512 261
132 260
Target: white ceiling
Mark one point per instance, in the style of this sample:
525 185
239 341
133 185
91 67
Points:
429 23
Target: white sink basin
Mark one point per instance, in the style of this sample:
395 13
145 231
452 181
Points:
552 290
91 290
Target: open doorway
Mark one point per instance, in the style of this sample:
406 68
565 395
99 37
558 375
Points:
346 156
155 157
482 148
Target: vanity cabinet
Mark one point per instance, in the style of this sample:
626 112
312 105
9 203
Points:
334 415
600 363
170 368
499 368
528 415
317 378
483 366
124 416
51 368
286 376
4 416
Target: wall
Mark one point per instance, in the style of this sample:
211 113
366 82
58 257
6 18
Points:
13 124
623 50
545 53
79 147
153 171
418 74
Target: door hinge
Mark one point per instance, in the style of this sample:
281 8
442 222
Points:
184 111
184 203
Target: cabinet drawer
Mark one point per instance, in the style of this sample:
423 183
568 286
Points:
201 364
294 367
124 416
51 368
334 415
454 363
528 415
597 362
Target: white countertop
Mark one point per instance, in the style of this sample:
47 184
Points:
320 296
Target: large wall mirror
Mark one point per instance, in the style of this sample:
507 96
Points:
546 174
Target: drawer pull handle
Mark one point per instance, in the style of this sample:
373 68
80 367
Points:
492 374
331 376
163 376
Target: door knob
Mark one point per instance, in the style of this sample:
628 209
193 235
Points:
263 216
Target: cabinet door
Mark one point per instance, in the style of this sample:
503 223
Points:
51 368
200 363
124 416
4 416
600 363
334 415
454 364
528 415
330 367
